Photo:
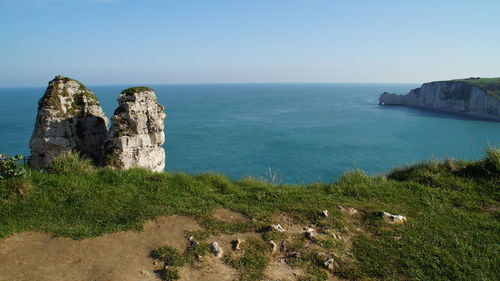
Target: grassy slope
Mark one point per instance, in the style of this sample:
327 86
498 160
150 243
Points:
490 85
452 209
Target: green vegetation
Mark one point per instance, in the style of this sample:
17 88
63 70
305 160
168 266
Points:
169 274
9 168
54 92
253 260
70 162
133 90
169 255
490 85
452 209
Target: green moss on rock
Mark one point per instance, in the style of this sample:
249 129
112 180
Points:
55 96
133 90
113 158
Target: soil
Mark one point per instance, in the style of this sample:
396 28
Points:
280 270
119 256
289 223
125 256
211 269
229 216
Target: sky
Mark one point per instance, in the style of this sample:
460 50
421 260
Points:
102 42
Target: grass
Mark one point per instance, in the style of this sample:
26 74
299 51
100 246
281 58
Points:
451 233
70 162
253 260
169 255
490 85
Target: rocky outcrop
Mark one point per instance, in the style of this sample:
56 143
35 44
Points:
451 96
136 134
69 118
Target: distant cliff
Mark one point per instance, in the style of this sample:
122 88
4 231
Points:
479 97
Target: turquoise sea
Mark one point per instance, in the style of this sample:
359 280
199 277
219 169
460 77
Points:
301 132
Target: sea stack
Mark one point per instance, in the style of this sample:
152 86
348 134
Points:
478 97
69 118
136 134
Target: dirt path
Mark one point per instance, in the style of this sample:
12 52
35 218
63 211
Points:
120 256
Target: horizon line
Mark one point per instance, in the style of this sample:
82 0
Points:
214 83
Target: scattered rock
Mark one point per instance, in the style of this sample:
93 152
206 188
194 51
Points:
69 118
336 236
136 134
216 249
324 213
310 233
192 241
276 227
273 245
396 219
236 244
283 247
348 210
294 255
329 264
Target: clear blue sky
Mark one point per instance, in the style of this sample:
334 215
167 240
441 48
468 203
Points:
193 41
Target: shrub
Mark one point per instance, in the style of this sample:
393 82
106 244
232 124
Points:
13 188
169 255
9 168
69 162
170 273
492 160
20 187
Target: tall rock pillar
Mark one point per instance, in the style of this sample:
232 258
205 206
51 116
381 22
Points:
69 117
136 134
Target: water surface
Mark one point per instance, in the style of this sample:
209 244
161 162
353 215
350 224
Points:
307 132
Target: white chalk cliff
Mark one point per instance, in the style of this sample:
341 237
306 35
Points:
451 96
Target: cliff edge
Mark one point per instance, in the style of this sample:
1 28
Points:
478 97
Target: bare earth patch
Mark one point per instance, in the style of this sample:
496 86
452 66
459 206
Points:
288 222
119 256
211 269
280 270
229 216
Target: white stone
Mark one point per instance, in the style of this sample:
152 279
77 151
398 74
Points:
329 264
324 213
348 210
277 227
216 249
273 245
397 219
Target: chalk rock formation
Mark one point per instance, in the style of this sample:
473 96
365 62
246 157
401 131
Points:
69 117
136 133
452 96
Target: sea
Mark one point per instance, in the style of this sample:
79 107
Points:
285 133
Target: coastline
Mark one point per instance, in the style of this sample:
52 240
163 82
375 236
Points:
469 115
